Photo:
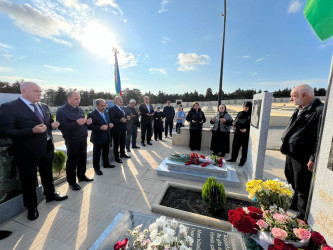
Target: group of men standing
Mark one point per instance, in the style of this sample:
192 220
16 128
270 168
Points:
29 123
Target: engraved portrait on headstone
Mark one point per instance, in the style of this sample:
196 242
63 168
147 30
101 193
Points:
256 113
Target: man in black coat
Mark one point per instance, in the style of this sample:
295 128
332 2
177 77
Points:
299 144
100 136
147 112
29 123
169 114
74 129
118 118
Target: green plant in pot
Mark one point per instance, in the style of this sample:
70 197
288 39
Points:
58 162
213 194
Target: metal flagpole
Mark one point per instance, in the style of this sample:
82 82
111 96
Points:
222 57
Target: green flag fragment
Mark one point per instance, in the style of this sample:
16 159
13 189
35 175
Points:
319 14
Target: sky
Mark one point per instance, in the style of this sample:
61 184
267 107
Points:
172 46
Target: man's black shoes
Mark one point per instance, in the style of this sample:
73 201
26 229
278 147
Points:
143 144
125 156
33 213
98 172
135 147
149 143
85 178
119 160
56 197
75 187
4 234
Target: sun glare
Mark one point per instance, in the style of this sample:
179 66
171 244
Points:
98 39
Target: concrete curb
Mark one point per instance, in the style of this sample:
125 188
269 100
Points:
192 217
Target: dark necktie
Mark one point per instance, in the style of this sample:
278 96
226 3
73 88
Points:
37 113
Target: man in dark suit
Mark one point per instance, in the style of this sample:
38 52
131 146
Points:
147 112
100 136
74 129
29 123
118 118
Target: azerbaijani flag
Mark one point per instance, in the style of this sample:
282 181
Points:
117 76
319 14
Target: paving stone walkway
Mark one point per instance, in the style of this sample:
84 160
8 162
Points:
77 222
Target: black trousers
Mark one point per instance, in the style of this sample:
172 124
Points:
240 140
158 133
168 124
299 177
195 139
119 142
76 160
98 148
146 130
28 174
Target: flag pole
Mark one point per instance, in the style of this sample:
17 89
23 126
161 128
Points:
222 57
116 73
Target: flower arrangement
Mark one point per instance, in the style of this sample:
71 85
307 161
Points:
195 159
245 219
162 236
270 192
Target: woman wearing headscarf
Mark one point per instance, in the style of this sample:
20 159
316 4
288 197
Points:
241 126
196 118
221 131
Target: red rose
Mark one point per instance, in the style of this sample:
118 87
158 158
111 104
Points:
317 238
197 161
291 247
202 156
121 244
220 160
279 244
271 247
220 165
188 163
204 164
255 210
327 247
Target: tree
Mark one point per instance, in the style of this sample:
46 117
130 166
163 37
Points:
60 97
209 95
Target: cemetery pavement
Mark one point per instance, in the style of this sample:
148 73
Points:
77 222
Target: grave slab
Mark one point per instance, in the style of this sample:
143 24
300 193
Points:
231 179
204 237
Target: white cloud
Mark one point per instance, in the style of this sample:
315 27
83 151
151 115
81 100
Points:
5 69
259 59
58 69
113 4
165 39
163 7
188 61
294 6
245 57
19 78
158 70
325 45
33 21
254 73
5 46
62 21
14 58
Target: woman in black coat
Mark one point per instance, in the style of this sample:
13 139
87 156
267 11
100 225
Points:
221 131
241 127
196 118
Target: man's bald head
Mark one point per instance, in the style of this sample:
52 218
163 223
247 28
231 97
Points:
302 95
31 91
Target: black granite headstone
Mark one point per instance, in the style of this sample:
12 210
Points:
205 238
